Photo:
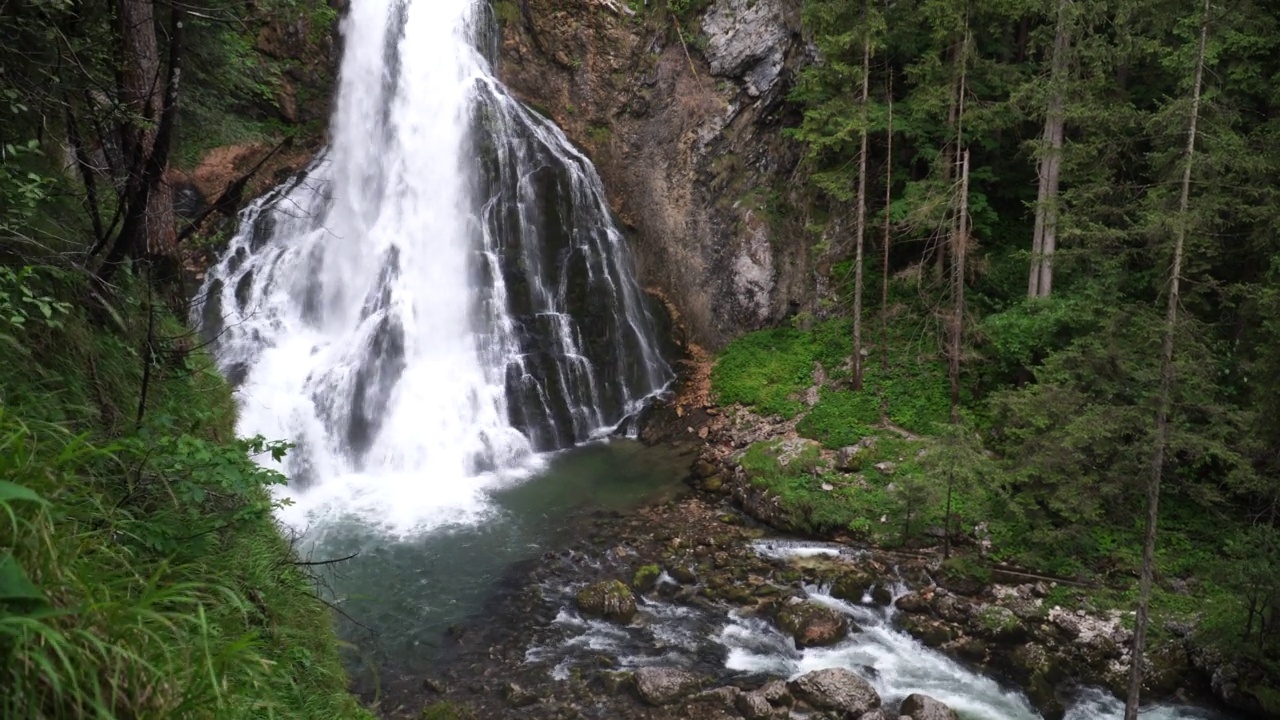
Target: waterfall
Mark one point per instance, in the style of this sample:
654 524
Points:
441 298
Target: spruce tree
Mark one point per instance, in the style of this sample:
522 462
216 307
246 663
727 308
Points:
1164 398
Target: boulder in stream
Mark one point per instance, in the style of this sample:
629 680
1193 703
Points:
836 689
609 599
664 685
923 707
754 706
812 625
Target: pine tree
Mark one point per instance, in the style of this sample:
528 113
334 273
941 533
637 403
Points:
1166 384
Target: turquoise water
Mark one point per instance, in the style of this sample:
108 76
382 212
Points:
401 594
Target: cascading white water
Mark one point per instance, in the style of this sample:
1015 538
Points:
897 664
440 297
736 644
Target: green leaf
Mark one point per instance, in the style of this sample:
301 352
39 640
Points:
10 492
14 583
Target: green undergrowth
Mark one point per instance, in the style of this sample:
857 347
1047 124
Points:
769 372
142 574
770 369
891 496
892 491
236 86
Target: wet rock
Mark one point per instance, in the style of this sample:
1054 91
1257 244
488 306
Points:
913 603
881 714
951 608
684 575
997 623
849 459
923 707
971 648
1036 669
518 697
724 696
609 599
933 633
754 706
776 693
1168 666
663 685
615 682
836 689
704 468
1022 600
881 595
812 625
851 587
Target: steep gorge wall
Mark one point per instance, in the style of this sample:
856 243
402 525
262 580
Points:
686 131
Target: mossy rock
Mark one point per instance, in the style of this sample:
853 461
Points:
932 633
813 625
446 711
852 587
684 575
609 599
998 623
646 578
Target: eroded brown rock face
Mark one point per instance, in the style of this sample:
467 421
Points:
688 143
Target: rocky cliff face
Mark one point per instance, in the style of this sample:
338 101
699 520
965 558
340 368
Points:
684 123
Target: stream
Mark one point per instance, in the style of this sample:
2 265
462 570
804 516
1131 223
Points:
733 645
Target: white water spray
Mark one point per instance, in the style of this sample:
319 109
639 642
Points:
440 298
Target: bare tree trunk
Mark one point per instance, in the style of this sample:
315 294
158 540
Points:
946 518
955 111
1045 237
959 241
1166 389
959 248
860 223
884 269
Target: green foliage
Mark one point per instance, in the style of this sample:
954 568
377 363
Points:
966 567
894 507
20 304
687 9
770 369
599 134
22 187
507 12
142 573
841 417
1021 336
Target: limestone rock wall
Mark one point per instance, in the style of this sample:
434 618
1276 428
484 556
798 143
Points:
684 123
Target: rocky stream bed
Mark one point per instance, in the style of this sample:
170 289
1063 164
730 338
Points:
691 609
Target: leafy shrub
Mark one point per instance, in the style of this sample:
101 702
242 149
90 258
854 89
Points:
21 302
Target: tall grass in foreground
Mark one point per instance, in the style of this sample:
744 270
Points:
141 571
